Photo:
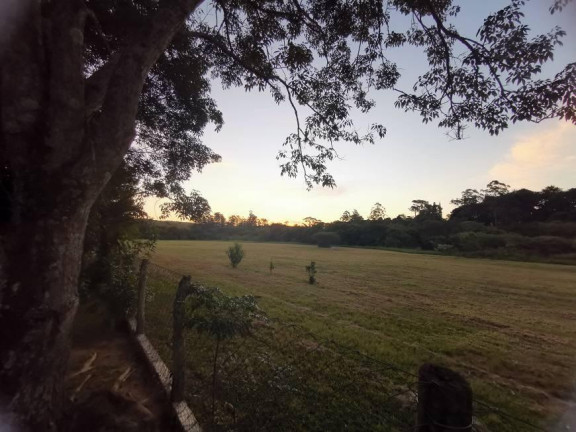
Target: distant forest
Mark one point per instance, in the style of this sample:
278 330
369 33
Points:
493 222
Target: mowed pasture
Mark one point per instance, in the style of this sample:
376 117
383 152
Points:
509 327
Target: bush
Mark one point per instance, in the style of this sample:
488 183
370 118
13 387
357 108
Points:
543 245
476 241
112 278
326 239
472 226
433 228
235 254
554 229
311 270
396 238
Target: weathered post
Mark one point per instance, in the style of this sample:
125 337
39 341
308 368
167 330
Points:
178 349
141 296
444 400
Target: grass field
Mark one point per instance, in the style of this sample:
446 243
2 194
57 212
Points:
509 327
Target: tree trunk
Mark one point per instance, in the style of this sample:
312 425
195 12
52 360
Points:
40 268
49 189
62 136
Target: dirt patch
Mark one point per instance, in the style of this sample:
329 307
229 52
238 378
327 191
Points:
108 388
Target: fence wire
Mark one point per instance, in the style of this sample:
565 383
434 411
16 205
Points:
284 378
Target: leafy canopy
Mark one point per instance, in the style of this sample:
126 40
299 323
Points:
325 58
378 212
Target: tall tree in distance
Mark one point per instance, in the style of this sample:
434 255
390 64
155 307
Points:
424 210
86 83
234 220
418 206
346 216
310 221
496 189
219 219
356 217
378 212
469 196
252 219
431 211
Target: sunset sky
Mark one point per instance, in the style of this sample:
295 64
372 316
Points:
414 160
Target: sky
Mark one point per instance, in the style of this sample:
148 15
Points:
413 161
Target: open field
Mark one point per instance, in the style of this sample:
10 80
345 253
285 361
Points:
509 327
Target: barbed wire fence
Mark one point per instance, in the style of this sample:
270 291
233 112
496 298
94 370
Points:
284 378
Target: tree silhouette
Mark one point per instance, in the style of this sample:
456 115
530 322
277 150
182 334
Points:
346 216
219 219
418 206
378 212
310 221
469 196
495 189
86 83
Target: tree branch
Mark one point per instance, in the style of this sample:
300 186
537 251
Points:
112 131
267 77
468 43
97 85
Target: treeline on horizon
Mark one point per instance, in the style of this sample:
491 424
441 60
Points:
494 222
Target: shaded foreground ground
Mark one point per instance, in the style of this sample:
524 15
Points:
107 387
509 327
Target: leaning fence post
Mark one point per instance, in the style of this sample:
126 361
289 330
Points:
444 400
141 296
178 350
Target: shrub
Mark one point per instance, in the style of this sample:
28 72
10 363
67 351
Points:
235 254
554 229
397 238
326 239
311 270
223 317
433 228
475 241
543 245
112 278
472 226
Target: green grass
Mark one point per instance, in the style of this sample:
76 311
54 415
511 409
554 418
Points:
509 327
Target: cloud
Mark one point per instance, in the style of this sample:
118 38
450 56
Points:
540 159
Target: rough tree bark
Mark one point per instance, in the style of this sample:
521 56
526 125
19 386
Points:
62 135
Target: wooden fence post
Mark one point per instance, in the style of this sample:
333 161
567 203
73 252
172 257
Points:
444 400
178 348
142 275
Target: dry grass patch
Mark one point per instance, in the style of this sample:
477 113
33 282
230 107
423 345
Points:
508 326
